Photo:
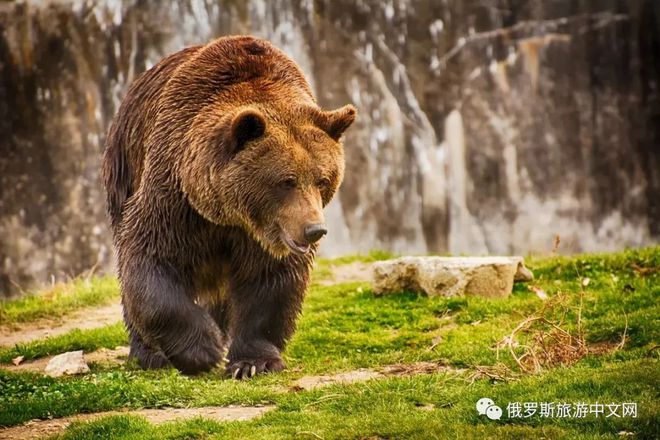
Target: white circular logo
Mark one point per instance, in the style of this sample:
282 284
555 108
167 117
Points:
483 404
487 407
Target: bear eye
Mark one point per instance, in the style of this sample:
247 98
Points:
289 183
323 182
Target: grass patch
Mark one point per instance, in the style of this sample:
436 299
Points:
109 336
433 406
345 326
27 395
59 300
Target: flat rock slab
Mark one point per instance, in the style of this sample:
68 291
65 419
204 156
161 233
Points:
490 277
42 428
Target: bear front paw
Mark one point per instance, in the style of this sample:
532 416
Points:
198 358
245 369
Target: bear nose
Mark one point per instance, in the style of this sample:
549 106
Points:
314 232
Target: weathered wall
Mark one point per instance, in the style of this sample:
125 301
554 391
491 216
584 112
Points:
482 129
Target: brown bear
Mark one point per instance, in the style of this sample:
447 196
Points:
217 167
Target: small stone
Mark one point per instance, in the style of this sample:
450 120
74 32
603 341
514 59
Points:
17 360
68 363
490 277
522 273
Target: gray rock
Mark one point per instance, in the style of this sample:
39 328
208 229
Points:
68 363
490 277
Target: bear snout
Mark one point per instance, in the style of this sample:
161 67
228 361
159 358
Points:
314 232
301 243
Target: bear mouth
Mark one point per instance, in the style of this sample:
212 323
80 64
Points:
298 248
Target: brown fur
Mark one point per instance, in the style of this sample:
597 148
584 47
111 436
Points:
216 163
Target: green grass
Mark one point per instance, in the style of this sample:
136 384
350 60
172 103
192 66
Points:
109 336
59 300
345 326
388 408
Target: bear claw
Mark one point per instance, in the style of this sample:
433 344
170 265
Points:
248 369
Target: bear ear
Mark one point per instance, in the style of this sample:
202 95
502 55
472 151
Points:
247 125
336 122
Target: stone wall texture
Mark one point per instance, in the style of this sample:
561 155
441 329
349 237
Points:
486 127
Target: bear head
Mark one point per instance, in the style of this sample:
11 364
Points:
269 169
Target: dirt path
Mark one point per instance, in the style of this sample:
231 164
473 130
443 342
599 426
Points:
104 355
83 319
348 273
42 428
365 374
